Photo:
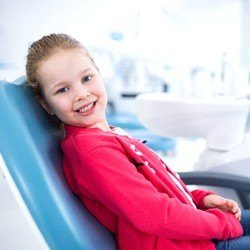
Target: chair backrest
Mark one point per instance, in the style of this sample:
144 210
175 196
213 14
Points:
30 147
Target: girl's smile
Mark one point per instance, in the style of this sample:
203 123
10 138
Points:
73 89
86 109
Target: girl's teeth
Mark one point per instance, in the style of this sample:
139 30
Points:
82 110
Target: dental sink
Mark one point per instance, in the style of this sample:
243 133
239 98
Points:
221 121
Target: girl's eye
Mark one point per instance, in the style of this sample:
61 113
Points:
86 79
62 90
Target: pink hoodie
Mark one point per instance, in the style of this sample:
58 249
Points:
131 191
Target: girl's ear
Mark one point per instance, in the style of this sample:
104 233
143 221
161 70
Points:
45 105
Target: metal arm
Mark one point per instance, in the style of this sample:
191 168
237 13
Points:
240 184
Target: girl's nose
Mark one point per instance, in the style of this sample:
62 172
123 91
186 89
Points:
81 94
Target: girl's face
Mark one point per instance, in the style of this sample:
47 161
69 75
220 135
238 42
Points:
73 89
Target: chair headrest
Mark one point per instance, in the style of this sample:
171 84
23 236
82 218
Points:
30 147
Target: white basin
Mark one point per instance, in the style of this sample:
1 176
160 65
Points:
220 121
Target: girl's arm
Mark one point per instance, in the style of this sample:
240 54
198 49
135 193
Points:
110 178
208 199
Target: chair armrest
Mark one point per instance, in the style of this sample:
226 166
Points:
216 179
240 184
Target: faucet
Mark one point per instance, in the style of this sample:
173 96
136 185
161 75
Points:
226 80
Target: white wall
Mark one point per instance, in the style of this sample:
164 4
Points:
23 22
176 32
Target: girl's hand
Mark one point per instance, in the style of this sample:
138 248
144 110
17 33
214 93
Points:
216 201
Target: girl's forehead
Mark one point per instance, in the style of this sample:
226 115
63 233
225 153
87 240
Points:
69 55
65 59
64 64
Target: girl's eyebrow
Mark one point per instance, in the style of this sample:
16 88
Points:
57 85
84 71
62 83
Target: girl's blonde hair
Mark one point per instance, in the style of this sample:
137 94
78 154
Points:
42 50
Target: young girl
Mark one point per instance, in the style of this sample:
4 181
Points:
124 184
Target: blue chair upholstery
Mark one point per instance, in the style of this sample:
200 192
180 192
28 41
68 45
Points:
30 147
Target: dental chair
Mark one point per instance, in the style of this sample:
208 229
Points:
31 160
30 150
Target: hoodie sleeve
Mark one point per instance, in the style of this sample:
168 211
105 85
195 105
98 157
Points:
110 178
198 197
